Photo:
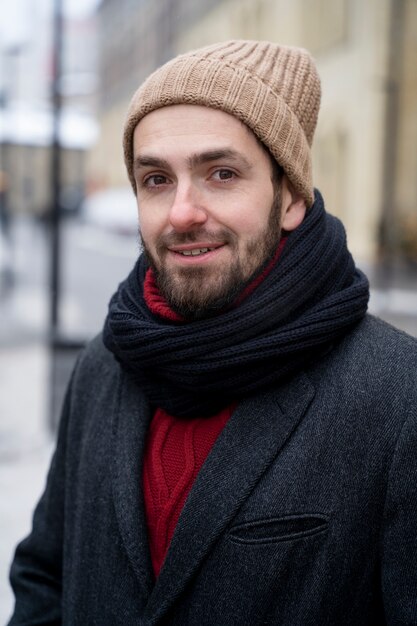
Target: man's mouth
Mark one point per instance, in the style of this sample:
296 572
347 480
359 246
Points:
195 251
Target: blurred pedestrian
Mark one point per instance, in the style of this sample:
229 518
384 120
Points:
239 445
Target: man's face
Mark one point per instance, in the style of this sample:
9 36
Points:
208 210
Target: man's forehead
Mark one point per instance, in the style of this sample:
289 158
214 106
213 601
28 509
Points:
184 114
192 129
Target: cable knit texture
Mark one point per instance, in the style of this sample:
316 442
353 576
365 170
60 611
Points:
175 452
311 298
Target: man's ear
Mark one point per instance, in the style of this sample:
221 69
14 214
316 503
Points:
293 206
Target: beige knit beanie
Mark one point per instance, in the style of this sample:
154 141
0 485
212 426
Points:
273 89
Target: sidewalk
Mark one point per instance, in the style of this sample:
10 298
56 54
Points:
25 443
25 449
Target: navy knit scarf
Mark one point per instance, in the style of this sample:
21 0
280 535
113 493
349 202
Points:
312 297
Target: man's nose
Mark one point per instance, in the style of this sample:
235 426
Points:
187 210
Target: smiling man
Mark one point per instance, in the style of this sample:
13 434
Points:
238 446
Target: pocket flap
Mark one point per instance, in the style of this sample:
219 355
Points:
287 527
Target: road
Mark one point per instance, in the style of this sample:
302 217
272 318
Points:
93 262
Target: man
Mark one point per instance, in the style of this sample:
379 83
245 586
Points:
239 447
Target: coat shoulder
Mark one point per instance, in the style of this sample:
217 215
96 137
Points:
376 342
372 370
96 358
96 372
372 326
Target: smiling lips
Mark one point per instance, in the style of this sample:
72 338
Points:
194 251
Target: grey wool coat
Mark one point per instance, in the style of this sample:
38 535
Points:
304 513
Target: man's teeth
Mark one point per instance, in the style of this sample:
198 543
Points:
195 252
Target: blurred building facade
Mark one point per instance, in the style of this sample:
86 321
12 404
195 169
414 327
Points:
26 124
365 152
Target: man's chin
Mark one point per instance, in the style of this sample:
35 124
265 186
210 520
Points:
194 298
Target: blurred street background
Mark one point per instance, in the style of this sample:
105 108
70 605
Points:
68 223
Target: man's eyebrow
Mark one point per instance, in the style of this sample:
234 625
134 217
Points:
150 161
198 158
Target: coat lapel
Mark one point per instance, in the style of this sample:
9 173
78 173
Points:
243 452
130 424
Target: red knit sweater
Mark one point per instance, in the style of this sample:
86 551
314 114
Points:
175 451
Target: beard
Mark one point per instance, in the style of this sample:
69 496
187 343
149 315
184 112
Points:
200 292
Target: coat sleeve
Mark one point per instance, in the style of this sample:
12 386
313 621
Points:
36 571
399 538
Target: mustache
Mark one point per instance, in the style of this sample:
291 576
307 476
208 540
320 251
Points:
202 234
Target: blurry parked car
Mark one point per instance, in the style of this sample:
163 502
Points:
113 209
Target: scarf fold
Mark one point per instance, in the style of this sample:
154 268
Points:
312 296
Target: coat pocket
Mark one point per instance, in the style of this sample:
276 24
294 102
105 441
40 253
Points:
285 528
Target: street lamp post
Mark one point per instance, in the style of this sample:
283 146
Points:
63 349
55 213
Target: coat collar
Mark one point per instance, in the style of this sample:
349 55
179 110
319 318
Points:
131 419
252 438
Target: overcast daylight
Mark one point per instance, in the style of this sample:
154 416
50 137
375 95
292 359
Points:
235 249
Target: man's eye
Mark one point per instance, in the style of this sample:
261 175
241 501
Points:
155 180
223 174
